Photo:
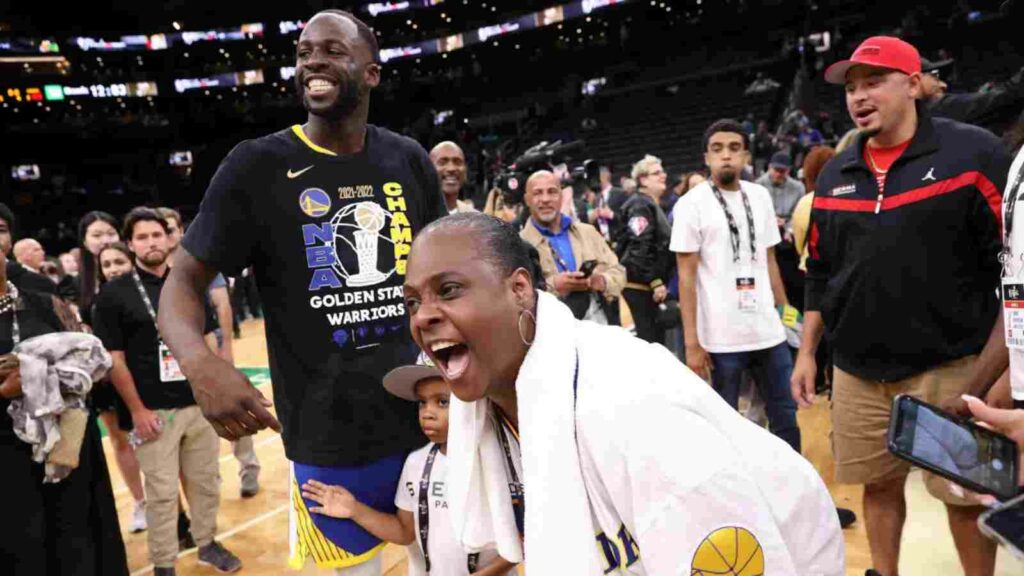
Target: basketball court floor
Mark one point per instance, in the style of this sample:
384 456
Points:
257 529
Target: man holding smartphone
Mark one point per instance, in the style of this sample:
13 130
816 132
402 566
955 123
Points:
578 264
902 270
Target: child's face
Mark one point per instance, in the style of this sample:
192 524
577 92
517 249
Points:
433 397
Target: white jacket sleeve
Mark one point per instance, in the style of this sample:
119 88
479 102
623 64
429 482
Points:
701 488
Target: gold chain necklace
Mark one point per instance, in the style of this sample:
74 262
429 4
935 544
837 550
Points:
871 159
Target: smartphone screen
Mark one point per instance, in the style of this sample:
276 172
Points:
961 450
1008 523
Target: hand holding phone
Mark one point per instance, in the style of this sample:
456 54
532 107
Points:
588 268
974 457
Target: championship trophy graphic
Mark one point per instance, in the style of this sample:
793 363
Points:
369 219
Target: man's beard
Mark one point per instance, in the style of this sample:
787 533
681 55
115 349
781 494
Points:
154 258
350 95
548 220
727 177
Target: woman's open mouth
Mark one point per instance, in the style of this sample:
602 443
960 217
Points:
452 357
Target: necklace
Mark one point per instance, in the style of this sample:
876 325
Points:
8 300
871 159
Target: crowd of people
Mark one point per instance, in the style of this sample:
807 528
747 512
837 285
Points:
396 313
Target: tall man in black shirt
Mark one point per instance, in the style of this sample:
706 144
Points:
325 213
176 440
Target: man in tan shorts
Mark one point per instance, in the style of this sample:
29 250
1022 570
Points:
902 271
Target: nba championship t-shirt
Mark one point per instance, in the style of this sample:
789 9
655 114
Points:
328 238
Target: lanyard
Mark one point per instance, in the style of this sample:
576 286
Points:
145 299
734 230
423 510
515 486
560 262
1011 205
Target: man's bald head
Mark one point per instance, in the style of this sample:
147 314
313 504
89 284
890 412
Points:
450 163
446 147
542 178
28 252
544 198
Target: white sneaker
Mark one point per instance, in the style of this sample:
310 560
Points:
139 518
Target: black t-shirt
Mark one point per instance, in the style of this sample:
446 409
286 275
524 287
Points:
36 317
328 238
122 322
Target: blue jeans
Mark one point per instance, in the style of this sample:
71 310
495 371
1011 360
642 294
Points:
771 369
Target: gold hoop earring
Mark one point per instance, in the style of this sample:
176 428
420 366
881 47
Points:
522 314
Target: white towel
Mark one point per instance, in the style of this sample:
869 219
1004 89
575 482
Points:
478 497
479 501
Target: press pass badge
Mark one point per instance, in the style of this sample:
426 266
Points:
170 371
1013 312
746 291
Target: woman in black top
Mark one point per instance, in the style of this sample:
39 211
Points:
112 261
67 528
643 249
96 230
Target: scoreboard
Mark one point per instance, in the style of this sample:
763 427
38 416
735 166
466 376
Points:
57 92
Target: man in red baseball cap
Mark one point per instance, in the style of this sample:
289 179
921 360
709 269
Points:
903 245
889 71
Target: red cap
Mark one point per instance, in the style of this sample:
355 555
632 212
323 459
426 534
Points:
880 51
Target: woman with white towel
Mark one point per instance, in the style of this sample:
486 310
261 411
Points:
625 459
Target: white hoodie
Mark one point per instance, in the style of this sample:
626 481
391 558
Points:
662 465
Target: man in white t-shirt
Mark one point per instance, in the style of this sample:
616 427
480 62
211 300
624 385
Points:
1005 346
724 233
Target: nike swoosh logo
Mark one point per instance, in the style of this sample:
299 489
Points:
298 173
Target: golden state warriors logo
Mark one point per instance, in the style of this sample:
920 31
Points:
731 551
314 202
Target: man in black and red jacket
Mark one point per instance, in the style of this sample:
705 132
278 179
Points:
903 271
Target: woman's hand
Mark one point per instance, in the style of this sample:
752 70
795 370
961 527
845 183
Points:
334 501
1008 422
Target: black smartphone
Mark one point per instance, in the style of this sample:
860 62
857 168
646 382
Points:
974 457
1005 524
588 268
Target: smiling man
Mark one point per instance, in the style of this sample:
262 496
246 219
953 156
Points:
905 233
565 247
450 163
325 213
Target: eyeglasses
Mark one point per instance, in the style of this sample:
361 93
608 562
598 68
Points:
935 74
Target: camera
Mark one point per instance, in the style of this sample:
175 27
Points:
511 180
